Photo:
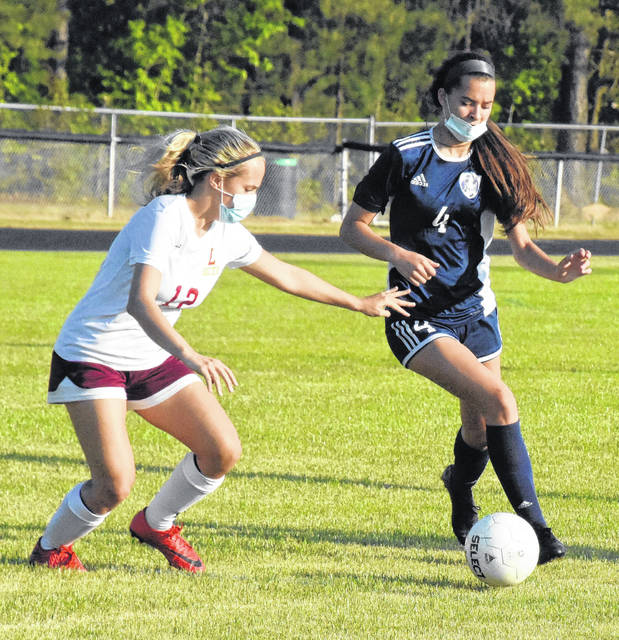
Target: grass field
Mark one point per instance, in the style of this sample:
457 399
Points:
335 524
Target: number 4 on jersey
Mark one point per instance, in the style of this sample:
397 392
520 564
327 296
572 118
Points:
440 222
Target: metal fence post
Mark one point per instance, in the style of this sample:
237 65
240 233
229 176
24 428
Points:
598 177
559 187
371 139
344 182
111 182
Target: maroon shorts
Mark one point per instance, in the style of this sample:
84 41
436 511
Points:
74 381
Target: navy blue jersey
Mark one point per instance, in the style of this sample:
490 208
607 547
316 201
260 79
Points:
443 209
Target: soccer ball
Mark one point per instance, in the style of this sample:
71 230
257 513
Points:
502 549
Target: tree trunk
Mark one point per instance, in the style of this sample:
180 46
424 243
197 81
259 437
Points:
59 45
573 101
574 109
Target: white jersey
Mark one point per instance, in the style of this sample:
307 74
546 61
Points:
161 234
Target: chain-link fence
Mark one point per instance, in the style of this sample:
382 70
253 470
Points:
576 187
96 164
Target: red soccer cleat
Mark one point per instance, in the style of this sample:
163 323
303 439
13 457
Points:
178 552
62 558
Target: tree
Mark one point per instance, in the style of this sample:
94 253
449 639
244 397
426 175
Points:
339 62
149 83
59 46
193 55
26 27
604 82
583 22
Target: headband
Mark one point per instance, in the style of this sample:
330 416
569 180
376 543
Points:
469 67
192 173
227 165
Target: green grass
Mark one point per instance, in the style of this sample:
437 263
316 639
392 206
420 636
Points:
334 525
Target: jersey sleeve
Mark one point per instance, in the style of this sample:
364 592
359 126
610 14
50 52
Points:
494 204
246 248
152 234
380 183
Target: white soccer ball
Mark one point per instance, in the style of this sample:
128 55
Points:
502 549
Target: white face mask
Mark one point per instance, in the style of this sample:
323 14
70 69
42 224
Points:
242 205
461 129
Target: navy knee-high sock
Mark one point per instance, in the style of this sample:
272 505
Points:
469 463
511 462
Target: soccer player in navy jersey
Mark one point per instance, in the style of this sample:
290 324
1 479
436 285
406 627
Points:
447 185
118 350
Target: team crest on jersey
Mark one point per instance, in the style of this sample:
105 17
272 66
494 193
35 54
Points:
469 184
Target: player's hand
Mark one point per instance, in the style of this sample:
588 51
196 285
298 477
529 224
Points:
416 268
380 303
574 265
213 371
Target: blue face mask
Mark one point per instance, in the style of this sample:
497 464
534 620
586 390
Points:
242 205
462 130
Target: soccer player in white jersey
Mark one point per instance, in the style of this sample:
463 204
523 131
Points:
118 350
447 185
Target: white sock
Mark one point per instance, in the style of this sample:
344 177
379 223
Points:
71 521
186 486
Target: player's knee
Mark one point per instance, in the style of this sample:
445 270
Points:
502 405
229 455
112 491
474 435
219 460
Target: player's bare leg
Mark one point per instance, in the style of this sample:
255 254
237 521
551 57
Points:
470 460
194 417
100 428
453 367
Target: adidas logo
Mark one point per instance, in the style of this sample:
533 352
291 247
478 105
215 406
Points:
419 181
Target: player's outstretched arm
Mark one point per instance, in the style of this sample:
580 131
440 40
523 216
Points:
304 284
529 256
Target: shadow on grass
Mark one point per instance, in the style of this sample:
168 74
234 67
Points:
322 578
390 539
369 580
252 475
44 459
256 535
108 566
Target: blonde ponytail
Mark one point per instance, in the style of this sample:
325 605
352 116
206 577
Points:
163 178
188 156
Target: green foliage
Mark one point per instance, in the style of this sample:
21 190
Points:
153 53
346 58
25 27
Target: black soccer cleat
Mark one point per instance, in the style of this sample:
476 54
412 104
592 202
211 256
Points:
550 547
464 511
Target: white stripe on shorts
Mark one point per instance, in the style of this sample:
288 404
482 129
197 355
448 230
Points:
164 394
412 342
496 354
69 392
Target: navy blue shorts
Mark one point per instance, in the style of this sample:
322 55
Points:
407 336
